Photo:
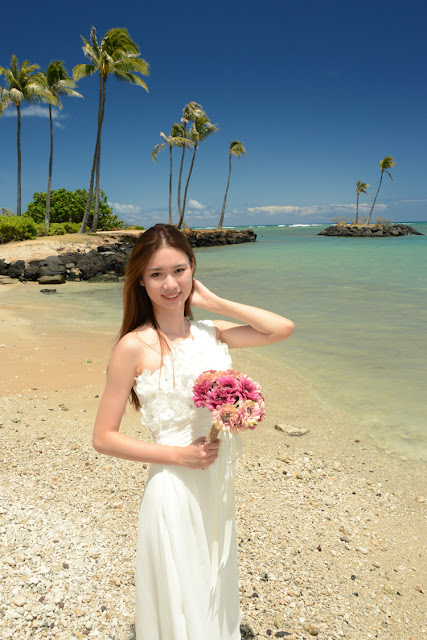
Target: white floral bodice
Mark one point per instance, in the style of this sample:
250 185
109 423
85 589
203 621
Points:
166 396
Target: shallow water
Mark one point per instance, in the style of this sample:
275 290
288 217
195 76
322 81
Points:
359 306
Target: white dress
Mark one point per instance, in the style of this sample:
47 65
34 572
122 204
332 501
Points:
186 564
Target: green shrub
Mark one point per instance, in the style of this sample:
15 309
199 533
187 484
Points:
69 206
16 228
58 228
135 227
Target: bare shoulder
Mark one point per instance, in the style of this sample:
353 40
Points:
132 346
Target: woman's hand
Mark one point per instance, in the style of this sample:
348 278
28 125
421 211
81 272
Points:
199 454
201 296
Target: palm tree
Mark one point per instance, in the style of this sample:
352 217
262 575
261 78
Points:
23 84
361 187
173 140
201 129
236 149
118 55
189 113
60 84
385 164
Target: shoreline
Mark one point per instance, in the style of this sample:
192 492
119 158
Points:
363 508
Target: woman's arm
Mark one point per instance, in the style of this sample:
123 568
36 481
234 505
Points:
261 327
107 438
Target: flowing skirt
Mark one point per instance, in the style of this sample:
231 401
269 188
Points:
186 566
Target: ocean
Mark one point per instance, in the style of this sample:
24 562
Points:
360 310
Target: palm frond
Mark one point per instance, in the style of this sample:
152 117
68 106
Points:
159 147
387 163
237 149
83 70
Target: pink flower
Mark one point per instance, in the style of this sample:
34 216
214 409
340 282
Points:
227 417
253 412
248 388
224 391
202 386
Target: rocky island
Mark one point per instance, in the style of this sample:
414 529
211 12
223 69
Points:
369 231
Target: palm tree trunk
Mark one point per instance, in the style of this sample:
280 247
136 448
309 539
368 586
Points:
221 220
181 218
357 207
95 220
49 177
18 147
170 184
94 161
180 174
373 204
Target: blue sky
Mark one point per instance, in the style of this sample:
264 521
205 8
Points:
318 92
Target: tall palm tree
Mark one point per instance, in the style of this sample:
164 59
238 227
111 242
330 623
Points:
236 149
361 187
60 84
189 113
118 55
23 84
385 164
173 140
201 129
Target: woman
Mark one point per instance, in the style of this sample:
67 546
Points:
186 574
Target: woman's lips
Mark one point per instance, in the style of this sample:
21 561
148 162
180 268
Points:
173 296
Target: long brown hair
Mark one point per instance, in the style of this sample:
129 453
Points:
137 306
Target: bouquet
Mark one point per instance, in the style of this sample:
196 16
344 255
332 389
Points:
236 401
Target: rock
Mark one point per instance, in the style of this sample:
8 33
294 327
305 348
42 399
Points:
48 291
291 431
311 629
279 620
16 269
19 600
54 279
296 431
74 274
7 280
373 231
10 561
362 550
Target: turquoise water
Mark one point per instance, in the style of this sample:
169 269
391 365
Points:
360 310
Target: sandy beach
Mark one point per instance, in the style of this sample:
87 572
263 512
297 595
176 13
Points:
331 532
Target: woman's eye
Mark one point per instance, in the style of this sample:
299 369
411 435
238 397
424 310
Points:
180 270
155 274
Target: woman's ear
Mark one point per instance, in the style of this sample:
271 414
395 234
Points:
141 282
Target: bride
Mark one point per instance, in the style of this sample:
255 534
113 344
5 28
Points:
186 564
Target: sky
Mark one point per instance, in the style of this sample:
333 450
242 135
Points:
317 92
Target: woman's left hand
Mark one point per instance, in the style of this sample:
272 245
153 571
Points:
201 296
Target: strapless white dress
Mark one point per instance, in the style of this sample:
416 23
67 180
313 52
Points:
186 564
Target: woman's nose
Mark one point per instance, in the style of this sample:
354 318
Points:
169 281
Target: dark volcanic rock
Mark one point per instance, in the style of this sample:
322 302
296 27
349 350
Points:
107 262
373 231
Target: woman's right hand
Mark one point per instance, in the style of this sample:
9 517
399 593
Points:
199 454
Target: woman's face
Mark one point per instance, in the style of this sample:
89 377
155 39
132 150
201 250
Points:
168 279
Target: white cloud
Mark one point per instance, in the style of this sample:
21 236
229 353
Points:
292 210
196 205
38 111
124 208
